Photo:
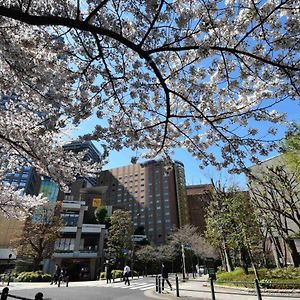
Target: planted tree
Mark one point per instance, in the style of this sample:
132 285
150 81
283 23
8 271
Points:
36 241
231 226
119 240
101 215
275 194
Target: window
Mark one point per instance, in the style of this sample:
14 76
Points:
70 219
65 244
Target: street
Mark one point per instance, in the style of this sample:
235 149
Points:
91 290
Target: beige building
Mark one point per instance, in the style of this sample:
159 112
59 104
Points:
286 195
154 194
9 228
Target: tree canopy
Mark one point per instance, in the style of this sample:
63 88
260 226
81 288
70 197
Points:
36 241
158 74
119 240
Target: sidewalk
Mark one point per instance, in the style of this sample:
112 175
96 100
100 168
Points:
199 289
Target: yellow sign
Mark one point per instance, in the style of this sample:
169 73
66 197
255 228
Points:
97 202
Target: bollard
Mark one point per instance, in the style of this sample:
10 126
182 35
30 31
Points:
38 296
4 293
213 296
159 285
156 283
8 278
256 283
177 286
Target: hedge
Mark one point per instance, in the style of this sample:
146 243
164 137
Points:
37 276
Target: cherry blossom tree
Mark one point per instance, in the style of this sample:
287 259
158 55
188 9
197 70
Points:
158 74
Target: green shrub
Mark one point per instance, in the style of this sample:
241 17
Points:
37 276
279 278
116 274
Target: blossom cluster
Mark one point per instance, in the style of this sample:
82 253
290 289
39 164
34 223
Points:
158 74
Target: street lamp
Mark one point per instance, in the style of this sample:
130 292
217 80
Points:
183 261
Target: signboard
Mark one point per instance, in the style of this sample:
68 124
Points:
96 202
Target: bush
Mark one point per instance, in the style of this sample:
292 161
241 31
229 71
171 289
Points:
279 278
116 274
37 276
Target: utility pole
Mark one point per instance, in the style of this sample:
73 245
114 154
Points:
183 261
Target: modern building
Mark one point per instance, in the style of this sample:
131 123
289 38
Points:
25 178
284 196
92 154
198 198
152 192
80 248
49 189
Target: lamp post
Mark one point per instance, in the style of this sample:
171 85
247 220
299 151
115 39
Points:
183 261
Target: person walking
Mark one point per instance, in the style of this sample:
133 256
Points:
165 275
126 274
108 273
56 274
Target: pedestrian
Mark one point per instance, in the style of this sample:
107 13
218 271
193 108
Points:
56 274
126 274
198 270
108 273
165 275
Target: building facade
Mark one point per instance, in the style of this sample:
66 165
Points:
198 198
80 247
92 155
153 193
284 241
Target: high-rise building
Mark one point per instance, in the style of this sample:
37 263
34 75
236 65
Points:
198 198
92 154
49 189
153 194
25 178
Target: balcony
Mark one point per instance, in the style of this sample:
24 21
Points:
72 205
92 228
68 229
88 252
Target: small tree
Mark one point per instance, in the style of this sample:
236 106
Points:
147 255
38 236
120 234
231 225
101 215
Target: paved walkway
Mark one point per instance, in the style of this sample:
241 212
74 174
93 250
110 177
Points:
192 289
199 289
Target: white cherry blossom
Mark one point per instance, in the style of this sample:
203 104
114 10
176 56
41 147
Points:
158 74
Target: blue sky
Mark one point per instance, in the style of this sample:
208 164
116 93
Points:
194 175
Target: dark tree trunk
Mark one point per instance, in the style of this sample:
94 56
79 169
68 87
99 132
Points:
294 253
243 259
